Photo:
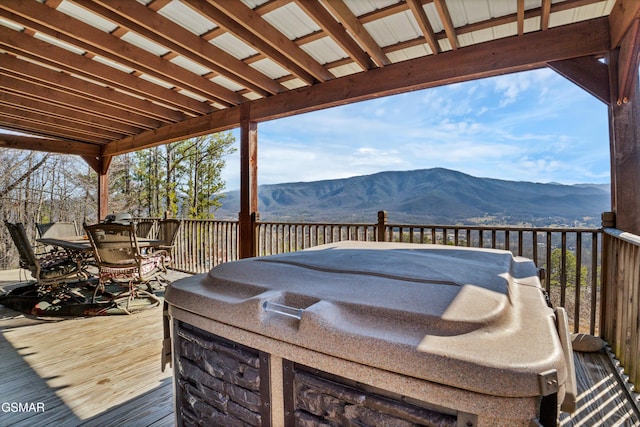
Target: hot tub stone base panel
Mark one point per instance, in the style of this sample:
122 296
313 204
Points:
320 399
222 383
218 382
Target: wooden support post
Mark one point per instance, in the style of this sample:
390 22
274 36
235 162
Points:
248 183
103 186
382 225
624 130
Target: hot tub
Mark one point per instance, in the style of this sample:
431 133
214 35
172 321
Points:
369 334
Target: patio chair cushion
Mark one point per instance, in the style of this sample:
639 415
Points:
149 266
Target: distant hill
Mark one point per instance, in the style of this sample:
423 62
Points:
428 196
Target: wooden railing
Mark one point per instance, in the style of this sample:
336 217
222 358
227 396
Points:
568 258
279 237
201 244
620 320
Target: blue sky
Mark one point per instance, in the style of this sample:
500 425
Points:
530 126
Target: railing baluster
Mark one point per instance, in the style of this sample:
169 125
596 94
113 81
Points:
578 284
594 281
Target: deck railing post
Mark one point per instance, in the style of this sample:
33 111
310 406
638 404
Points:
382 225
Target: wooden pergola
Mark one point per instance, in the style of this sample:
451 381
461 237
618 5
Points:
103 78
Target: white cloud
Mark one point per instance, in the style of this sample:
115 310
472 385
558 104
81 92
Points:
533 126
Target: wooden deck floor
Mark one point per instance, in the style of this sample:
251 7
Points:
106 371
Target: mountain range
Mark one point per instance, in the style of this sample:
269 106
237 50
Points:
428 196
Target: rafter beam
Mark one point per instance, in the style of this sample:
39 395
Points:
447 23
54 95
425 26
48 145
270 35
144 21
357 30
622 15
336 31
520 17
545 14
227 23
47 20
40 51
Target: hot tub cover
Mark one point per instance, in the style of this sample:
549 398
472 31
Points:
475 319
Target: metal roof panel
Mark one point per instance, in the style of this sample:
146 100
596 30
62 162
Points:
324 50
76 11
233 46
145 44
186 17
361 7
270 68
394 29
291 21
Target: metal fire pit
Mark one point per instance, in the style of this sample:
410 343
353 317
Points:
370 334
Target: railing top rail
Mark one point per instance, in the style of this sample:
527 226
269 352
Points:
321 224
499 228
234 221
623 235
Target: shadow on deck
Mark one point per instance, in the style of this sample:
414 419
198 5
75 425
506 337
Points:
106 371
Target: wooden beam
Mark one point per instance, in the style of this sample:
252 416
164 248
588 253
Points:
48 20
588 73
103 186
520 17
628 62
21 102
447 23
23 142
93 162
248 183
624 123
86 131
227 23
24 45
425 26
621 17
31 125
545 14
57 96
518 53
131 107
270 35
197 126
357 30
144 21
330 27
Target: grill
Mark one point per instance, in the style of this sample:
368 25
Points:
370 334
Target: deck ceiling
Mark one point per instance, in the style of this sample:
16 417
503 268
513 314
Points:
106 77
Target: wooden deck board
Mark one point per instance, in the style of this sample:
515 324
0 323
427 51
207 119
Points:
106 371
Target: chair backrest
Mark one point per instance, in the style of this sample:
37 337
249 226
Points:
114 244
57 229
168 231
19 236
144 228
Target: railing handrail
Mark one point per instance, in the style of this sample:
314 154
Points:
623 235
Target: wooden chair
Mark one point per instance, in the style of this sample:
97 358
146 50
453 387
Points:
119 260
168 230
52 271
57 229
143 228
